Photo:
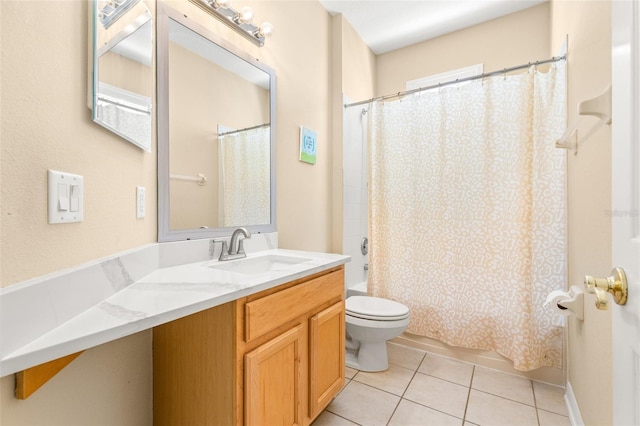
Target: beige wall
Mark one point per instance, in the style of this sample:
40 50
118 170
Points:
300 52
125 73
514 39
358 65
107 385
588 25
45 124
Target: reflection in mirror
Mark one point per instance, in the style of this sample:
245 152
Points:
122 70
244 166
215 134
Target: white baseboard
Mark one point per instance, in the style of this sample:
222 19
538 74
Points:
572 405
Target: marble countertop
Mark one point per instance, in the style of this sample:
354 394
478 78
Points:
164 295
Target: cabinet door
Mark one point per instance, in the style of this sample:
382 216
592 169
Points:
273 381
326 357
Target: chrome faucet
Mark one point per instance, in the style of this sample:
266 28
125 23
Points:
236 248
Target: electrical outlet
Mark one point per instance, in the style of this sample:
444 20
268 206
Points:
140 202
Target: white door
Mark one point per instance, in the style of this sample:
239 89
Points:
625 213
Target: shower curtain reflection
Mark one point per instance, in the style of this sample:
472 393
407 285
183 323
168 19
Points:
245 160
467 212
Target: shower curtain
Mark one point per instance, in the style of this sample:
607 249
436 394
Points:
245 159
467 212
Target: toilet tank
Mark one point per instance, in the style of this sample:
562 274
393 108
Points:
360 289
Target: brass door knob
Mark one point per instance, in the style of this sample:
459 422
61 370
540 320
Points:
616 284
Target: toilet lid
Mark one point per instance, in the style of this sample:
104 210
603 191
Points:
375 308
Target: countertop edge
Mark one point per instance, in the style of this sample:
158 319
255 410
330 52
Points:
34 354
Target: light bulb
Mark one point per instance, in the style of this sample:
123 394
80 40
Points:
266 28
246 15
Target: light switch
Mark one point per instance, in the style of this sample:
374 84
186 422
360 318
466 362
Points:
74 197
65 197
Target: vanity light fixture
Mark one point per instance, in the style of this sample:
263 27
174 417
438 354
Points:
241 22
110 10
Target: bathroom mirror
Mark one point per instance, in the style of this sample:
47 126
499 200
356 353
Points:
122 69
216 133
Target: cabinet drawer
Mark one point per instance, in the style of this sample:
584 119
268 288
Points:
269 312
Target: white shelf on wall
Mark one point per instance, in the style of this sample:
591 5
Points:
599 107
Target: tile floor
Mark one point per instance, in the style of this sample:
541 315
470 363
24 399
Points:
426 389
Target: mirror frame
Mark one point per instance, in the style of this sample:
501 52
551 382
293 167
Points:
95 71
165 234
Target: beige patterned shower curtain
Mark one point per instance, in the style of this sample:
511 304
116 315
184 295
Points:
468 212
245 159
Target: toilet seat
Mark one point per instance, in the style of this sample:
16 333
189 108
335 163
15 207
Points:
375 308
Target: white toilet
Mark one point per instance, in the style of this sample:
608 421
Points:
370 322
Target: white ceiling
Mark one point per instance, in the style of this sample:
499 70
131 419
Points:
387 25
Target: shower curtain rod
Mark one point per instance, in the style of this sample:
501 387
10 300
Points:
459 80
244 130
124 104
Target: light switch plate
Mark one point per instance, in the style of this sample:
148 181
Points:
66 197
140 202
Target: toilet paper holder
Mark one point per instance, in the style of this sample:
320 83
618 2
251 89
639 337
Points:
567 303
616 284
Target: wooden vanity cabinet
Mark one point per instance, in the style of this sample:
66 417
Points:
272 358
326 357
273 391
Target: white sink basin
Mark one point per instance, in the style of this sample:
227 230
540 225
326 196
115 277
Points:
259 265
